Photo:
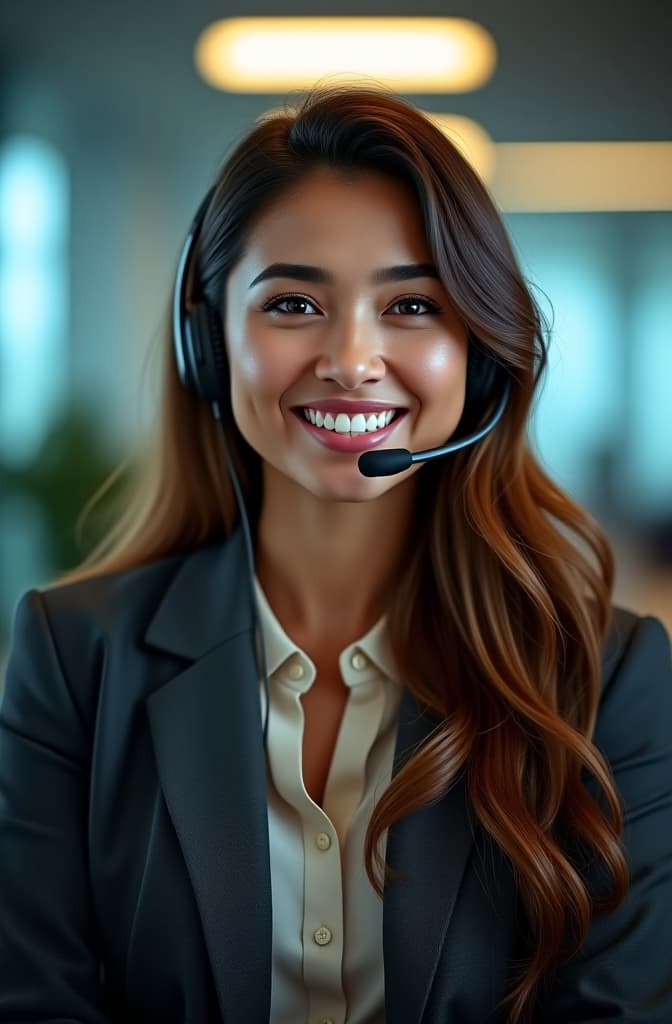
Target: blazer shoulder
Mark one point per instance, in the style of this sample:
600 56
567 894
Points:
70 630
81 613
108 597
636 701
633 636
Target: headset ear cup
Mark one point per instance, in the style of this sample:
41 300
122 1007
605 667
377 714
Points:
481 377
220 359
205 362
481 386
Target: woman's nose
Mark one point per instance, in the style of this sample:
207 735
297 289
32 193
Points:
352 356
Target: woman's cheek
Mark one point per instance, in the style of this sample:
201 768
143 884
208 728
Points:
438 369
261 368
441 360
270 372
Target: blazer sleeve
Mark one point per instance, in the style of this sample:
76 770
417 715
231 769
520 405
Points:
623 970
49 970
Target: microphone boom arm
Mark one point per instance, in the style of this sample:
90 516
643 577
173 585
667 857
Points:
396 460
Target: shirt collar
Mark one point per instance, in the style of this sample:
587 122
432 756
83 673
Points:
278 646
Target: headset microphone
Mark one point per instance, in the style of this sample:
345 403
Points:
396 460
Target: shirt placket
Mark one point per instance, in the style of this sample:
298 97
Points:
322 932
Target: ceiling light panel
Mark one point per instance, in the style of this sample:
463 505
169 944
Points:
261 55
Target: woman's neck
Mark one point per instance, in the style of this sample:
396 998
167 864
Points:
326 567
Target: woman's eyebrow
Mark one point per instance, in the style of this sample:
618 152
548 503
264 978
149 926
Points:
317 275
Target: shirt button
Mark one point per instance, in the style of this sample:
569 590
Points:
296 670
322 841
322 936
359 660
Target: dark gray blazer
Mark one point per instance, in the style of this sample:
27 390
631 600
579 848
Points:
134 857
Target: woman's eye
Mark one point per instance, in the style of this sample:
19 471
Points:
417 300
293 300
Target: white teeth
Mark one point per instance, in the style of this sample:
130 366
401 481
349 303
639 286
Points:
344 424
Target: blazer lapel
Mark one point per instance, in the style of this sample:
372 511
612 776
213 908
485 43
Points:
431 849
206 729
207 732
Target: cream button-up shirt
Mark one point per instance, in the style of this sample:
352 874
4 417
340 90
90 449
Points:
327 965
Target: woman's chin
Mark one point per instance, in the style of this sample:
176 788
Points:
350 485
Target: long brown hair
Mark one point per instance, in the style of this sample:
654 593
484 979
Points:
499 618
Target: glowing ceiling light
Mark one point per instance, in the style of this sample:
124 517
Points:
405 54
583 176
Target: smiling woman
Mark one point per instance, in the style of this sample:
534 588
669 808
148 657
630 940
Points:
452 799
361 335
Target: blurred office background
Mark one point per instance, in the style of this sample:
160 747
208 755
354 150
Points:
110 134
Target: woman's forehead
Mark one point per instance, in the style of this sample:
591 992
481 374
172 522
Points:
374 220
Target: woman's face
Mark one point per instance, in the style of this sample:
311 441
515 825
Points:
343 334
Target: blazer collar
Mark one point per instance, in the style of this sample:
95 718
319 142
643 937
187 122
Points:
207 602
206 726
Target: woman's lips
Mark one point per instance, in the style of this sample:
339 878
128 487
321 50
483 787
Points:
349 442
